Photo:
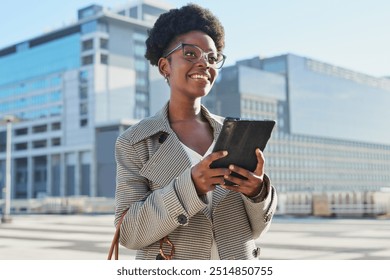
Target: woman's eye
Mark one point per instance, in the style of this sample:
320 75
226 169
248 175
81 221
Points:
212 59
190 54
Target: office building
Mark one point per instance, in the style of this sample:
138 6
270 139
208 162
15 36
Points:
332 132
73 90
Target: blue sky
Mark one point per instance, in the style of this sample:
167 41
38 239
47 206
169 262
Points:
348 33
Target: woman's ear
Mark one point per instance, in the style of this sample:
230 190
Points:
164 68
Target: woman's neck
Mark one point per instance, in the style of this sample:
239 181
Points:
190 126
180 111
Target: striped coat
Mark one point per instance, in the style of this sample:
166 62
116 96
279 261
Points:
154 182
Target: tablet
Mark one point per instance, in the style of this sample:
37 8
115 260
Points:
241 138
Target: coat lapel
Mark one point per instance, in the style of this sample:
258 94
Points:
167 162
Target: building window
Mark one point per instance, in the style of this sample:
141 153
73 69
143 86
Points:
89 27
141 37
21 146
40 128
21 177
140 81
56 142
134 12
83 92
2 141
83 76
55 81
87 60
87 45
39 176
39 144
21 131
104 59
140 113
103 26
141 97
56 126
55 111
84 122
139 50
55 96
141 65
83 108
103 43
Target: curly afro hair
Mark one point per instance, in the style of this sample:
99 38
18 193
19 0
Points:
180 21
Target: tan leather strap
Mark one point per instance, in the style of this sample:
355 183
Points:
115 241
167 241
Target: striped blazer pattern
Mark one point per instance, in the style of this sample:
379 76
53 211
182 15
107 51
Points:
154 183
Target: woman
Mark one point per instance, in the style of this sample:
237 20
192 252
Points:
175 200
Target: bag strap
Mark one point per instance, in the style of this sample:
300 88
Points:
115 241
162 254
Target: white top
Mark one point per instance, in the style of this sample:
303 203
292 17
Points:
196 158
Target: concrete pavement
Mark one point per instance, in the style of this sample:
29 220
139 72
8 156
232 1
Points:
88 237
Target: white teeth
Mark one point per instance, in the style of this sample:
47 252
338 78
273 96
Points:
197 76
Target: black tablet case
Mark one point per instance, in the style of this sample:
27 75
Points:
240 138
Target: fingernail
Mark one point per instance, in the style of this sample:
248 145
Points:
225 153
231 167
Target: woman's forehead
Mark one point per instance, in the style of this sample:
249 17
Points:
197 38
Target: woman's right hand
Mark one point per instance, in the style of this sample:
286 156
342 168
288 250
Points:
205 178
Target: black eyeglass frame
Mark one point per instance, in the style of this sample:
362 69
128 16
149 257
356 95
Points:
217 65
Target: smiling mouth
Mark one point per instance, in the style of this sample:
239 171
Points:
199 77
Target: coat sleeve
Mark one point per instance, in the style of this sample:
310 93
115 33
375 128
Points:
260 213
152 214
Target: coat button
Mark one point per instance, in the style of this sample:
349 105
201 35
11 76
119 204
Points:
256 252
163 136
267 218
182 219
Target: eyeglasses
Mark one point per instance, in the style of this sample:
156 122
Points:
193 54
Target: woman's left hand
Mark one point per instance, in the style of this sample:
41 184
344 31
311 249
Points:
254 182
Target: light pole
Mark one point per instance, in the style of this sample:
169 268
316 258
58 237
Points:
6 218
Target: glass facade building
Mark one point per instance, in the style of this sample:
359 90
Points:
331 122
69 89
